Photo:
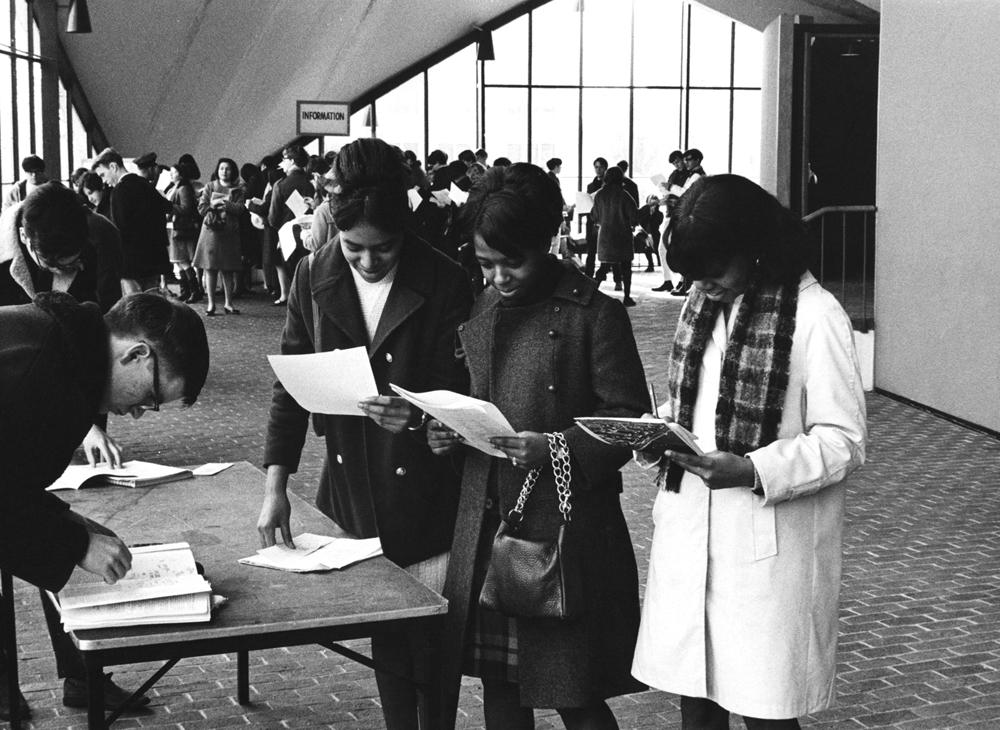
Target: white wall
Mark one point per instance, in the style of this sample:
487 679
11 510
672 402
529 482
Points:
776 108
937 264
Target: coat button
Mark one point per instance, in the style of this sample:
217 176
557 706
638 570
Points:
400 471
576 292
461 327
556 309
340 459
388 357
551 388
489 503
553 334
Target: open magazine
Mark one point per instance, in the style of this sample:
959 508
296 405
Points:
639 433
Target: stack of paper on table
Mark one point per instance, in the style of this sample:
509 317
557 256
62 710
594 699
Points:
639 433
163 587
132 474
314 553
477 421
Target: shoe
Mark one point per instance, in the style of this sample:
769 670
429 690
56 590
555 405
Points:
679 292
618 286
665 286
75 694
628 302
209 312
23 710
280 302
230 310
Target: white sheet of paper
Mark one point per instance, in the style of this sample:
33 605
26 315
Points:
315 553
163 181
211 468
297 204
658 180
584 203
474 420
286 239
441 196
676 190
415 200
327 382
458 196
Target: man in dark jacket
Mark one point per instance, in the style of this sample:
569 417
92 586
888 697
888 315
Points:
61 364
293 161
140 212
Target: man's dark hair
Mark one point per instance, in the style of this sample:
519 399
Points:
553 163
92 181
437 157
172 329
295 153
622 165
695 154
33 163
107 156
502 162
467 156
674 156
481 153
54 221
600 161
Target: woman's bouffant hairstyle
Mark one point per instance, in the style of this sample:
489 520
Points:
371 186
614 176
227 161
723 217
514 209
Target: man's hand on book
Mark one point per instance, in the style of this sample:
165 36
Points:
98 447
107 556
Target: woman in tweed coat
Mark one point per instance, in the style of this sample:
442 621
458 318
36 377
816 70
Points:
544 346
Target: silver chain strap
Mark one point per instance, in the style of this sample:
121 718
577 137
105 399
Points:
559 452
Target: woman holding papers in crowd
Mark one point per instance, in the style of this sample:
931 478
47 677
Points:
220 206
544 346
376 285
740 611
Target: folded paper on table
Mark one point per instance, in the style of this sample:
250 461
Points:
327 382
474 420
132 474
584 202
413 194
163 586
314 553
457 195
211 468
639 433
297 204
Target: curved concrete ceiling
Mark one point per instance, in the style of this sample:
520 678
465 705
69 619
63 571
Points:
221 77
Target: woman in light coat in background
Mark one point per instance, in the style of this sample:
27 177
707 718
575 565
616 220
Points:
740 611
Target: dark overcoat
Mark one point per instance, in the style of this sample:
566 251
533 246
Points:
572 354
140 213
375 482
53 368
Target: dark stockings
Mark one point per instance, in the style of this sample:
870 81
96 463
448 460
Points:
502 710
698 713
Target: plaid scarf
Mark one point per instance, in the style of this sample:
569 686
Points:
754 370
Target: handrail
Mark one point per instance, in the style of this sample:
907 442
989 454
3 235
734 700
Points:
838 209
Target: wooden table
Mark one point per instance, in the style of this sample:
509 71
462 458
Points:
267 608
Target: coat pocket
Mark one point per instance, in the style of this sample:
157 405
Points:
765 531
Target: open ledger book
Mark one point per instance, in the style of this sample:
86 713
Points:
163 587
638 433
313 553
477 421
132 474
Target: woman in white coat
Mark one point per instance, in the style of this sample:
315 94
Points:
740 611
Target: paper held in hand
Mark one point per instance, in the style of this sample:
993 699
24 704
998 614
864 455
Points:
132 474
313 553
639 433
163 587
474 420
327 382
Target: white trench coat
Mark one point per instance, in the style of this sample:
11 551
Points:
741 598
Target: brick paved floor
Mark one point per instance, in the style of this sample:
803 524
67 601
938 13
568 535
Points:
920 616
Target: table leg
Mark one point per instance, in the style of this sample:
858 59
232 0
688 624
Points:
95 693
243 676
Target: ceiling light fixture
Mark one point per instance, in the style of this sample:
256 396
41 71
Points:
484 52
79 17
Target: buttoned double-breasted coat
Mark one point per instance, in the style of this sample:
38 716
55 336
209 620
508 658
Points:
375 482
571 354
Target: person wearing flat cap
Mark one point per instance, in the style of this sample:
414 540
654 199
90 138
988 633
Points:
34 175
148 167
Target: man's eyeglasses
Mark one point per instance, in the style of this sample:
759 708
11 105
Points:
157 398
65 265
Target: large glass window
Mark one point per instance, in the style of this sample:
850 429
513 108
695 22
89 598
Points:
507 123
555 43
555 132
400 116
607 40
510 45
451 113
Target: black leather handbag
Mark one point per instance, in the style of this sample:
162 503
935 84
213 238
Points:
536 578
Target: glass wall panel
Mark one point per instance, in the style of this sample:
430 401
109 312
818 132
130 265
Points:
556 43
605 126
658 54
510 44
8 163
26 145
710 47
555 131
5 25
452 103
607 43
746 134
400 116
22 13
749 55
81 147
507 124
656 133
708 128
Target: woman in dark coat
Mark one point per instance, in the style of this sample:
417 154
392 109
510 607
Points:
376 285
544 346
615 213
